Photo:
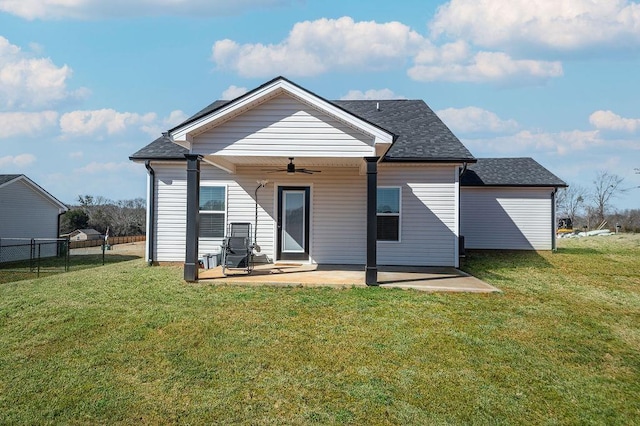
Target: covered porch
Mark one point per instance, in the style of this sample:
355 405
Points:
270 207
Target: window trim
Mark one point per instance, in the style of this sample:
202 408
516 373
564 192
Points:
224 212
399 214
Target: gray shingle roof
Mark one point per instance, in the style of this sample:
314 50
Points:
8 178
161 149
509 172
421 135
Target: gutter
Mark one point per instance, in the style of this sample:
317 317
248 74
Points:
151 203
554 245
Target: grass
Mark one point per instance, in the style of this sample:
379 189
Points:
126 343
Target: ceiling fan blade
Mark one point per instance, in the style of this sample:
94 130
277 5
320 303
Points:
309 171
305 171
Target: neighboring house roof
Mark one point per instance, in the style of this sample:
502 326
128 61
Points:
85 231
8 179
509 172
420 134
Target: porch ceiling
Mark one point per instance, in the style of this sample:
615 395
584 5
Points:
249 161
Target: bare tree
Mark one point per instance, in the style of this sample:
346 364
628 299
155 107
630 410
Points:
570 201
606 187
124 217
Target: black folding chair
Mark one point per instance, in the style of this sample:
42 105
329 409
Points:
237 248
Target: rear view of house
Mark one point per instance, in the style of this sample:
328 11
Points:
330 182
26 212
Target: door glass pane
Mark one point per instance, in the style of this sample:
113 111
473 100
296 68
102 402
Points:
293 221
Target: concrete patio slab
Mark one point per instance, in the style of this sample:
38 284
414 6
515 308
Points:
296 274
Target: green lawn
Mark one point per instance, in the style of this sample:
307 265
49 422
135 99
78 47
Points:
126 343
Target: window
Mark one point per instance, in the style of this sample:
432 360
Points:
388 214
212 211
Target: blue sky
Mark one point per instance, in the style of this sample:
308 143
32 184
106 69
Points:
86 83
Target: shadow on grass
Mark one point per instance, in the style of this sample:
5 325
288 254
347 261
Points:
578 250
93 260
487 264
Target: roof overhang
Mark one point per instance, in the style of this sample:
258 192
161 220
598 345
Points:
184 133
38 189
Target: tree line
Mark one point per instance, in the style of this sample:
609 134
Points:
589 207
123 217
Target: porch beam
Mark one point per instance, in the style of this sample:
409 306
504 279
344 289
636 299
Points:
221 163
193 217
371 268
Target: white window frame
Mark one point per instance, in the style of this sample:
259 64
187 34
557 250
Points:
399 214
225 211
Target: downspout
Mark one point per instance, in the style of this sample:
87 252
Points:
553 220
58 230
151 216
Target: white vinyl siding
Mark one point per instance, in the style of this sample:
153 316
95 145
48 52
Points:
506 218
284 127
171 211
26 213
171 190
337 217
429 219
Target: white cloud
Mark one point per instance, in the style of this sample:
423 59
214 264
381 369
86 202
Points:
82 123
76 155
26 123
156 127
608 120
313 47
525 142
29 82
485 67
21 160
473 119
94 9
316 47
371 94
233 92
108 167
558 25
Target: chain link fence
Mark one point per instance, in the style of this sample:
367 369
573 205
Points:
34 255
26 258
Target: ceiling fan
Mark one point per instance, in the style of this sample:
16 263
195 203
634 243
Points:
291 169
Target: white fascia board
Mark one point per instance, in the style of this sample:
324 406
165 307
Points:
186 132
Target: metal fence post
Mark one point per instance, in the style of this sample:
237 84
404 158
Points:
32 253
68 254
38 273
